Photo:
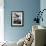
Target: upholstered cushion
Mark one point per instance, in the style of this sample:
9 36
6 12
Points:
10 43
20 42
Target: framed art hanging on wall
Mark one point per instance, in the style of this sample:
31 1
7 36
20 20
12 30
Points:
17 18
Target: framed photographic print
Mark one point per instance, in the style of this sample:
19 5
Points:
17 18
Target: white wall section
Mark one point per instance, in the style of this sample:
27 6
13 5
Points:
1 20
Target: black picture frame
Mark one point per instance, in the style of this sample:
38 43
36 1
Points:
17 18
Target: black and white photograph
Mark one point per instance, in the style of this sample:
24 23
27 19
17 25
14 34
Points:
17 18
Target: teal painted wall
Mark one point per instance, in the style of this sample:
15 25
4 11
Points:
29 7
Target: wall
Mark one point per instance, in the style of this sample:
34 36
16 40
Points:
42 6
30 7
1 20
